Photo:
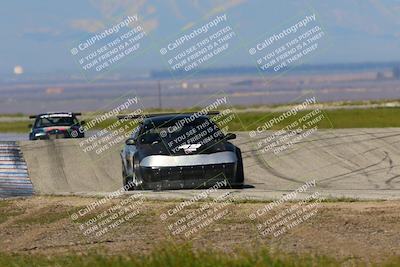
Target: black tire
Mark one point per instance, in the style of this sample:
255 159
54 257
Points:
126 179
239 179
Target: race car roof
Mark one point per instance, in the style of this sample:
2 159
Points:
165 116
157 120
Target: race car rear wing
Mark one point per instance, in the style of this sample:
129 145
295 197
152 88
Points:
136 116
56 114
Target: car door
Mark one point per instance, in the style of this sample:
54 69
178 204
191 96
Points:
130 152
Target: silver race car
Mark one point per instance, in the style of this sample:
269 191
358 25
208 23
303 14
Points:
174 151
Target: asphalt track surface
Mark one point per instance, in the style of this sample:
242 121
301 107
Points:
350 163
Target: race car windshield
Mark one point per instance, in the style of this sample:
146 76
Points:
178 131
55 121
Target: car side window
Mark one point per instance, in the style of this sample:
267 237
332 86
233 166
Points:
135 133
36 124
75 121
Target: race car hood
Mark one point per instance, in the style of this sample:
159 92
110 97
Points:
162 148
158 156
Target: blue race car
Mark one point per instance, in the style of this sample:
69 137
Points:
56 125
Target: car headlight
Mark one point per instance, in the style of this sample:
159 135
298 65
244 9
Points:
40 134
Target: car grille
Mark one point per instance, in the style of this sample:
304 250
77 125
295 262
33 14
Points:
57 133
203 172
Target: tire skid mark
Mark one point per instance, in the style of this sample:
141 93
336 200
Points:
264 165
366 168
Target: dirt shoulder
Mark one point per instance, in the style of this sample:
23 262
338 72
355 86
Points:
368 231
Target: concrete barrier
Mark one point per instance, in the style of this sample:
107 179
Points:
14 179
61 166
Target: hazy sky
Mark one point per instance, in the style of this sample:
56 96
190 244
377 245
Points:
38 35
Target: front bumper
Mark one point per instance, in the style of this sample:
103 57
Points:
55 135
187 178
188 172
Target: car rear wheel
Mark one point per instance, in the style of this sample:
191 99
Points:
127 181
239 178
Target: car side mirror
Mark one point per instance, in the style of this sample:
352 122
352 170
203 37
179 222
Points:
130 142
83 122
30 126
230 136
